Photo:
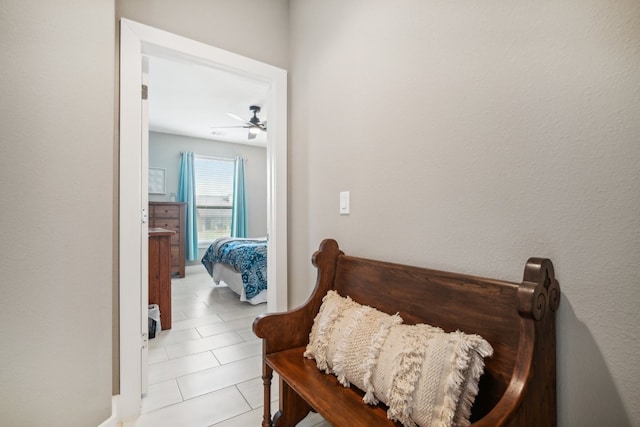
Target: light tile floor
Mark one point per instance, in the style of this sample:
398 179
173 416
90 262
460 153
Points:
205 371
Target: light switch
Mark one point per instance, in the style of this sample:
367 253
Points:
345 203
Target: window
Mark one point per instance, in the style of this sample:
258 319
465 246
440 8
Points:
214 197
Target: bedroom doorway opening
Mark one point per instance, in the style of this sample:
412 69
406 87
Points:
136 41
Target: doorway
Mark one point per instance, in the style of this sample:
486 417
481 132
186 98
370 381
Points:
137 40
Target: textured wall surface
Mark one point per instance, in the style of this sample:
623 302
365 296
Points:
257 29
56 174
473 136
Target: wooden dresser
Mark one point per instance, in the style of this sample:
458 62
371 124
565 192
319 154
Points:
171 216
160 273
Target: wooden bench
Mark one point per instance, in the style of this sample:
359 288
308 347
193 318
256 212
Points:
518 387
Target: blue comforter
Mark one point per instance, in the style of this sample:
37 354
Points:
247 256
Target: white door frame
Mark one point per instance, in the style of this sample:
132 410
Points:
137 40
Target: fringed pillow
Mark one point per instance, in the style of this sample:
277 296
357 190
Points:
425 376
321 336
428 377
353 350
342 332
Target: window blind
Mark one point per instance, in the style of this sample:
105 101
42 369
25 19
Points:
214 197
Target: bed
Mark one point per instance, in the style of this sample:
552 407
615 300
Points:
241 264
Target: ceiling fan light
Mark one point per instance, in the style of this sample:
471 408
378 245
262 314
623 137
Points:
254 130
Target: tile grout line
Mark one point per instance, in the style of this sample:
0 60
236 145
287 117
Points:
229 311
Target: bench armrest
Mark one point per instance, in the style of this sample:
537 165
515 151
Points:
291 329
509 410
501 415
282 331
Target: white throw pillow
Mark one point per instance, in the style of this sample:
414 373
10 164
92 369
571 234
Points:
429 377
333 306
425 376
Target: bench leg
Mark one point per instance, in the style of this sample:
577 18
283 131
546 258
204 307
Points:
267 374
293 408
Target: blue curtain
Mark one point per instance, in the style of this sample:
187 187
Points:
239 209
187 193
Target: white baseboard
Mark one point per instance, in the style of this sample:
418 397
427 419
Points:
112 421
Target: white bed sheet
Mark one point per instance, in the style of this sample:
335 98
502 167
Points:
224 273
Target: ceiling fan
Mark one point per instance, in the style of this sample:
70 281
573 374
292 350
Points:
254 124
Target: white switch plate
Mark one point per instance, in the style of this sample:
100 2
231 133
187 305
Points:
345 203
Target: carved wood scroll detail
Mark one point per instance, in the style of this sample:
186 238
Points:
539 290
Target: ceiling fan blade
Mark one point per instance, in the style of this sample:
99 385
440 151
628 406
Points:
239 118
228 127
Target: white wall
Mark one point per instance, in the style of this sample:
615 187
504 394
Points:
257 29
498 131
473 135
164 152
56 175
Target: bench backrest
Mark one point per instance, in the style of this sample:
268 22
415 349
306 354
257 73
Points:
450 301
503 313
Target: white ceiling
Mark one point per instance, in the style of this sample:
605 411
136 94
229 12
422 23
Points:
190 99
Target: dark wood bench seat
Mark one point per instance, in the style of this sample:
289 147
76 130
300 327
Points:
518 387
346 403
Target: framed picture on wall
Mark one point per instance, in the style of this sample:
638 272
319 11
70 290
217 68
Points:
157 181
